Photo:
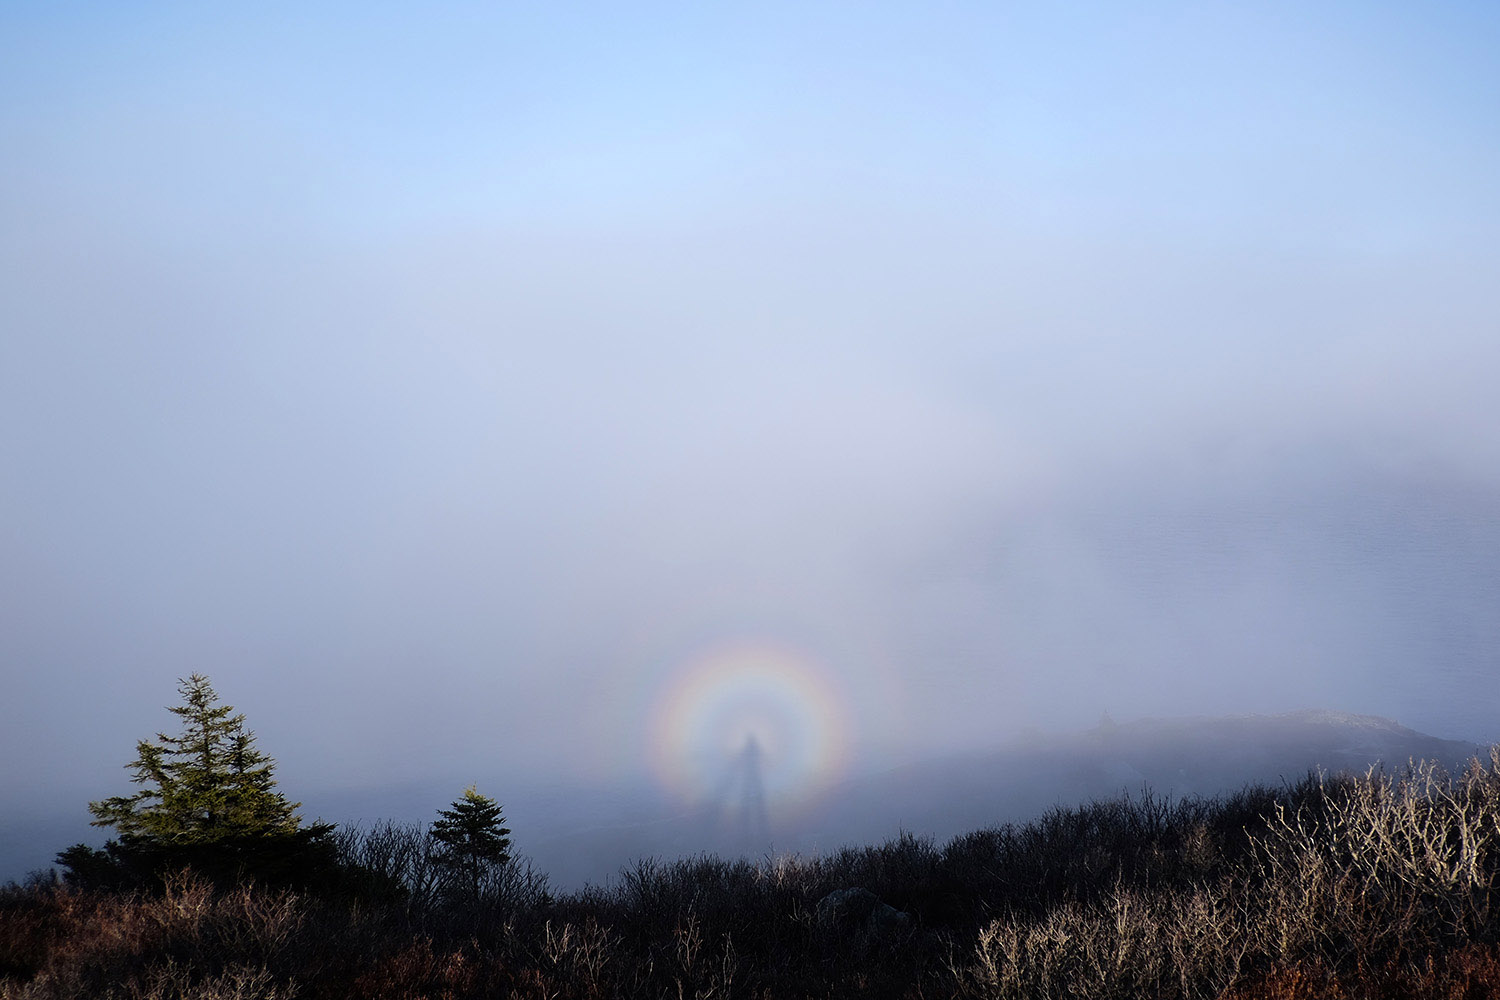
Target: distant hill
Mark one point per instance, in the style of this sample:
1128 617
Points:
946 796
1174 756
582 833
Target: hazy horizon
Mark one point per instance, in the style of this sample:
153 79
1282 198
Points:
562 398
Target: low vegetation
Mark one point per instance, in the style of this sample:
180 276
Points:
1379 886
1372 886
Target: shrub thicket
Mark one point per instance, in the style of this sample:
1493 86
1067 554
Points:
1375 886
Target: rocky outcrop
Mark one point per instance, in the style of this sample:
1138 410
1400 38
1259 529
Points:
860 911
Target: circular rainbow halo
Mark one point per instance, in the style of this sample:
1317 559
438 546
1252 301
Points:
754 703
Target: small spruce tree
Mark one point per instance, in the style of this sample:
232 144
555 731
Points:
472 841
208 801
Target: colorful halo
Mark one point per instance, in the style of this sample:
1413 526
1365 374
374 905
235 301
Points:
759 691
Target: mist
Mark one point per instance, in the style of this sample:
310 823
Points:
455 391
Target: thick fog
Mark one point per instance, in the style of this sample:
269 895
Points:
559 401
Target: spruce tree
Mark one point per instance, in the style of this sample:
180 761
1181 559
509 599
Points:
208 800
471 838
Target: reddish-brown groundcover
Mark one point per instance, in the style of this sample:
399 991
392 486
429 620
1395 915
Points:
1372 887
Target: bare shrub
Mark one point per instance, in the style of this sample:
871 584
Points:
1364 865
1130 944
1374 886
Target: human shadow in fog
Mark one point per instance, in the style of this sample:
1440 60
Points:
736 819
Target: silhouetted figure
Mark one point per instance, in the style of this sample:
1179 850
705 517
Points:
738 816
755 818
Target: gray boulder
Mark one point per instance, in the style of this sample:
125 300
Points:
859 910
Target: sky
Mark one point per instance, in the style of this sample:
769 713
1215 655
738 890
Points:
564 395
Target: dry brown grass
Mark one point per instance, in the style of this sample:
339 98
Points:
1372 887
1359 887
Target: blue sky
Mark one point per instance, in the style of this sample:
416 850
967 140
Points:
1206 119
442 382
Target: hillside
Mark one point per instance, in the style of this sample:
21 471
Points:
1175 757
1378 887
584 834
946 796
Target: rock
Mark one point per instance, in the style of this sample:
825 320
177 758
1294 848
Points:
860 910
